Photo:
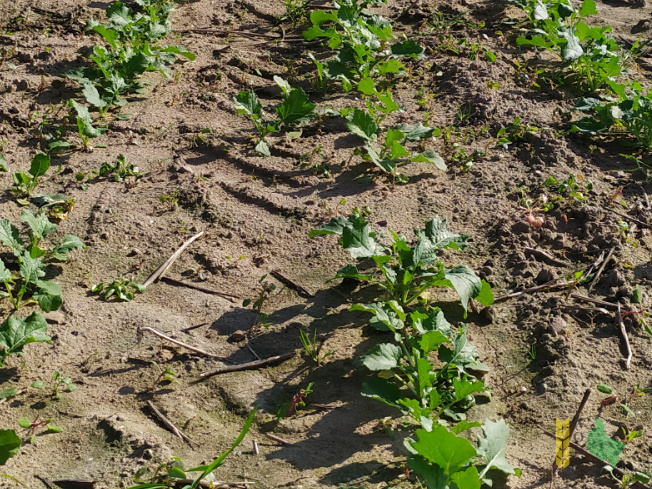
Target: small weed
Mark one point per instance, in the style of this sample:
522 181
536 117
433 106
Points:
264 293
32 426
297 401
59 384
25 184
123 289
120 170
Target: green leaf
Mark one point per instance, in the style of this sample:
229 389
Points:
92 95
415 133
605 389
464 425
362 124
3 164
465 282
407 48
382 390
572 50
433 475
638 296
385 356
540 11
295 108
602 446
54 428
38 384
263 148
7 394
40 224
85 122
486 296
359 240
468 479
588 8
10 443
31 269
219 460
431 341
9 236
15 333
431 157
48 295
443 448
465 388
491 447
179 51
386 317
40 164
246 102
434 320
366 86
176 473
5 274
433 238
137 64
61 252
462 354
24 422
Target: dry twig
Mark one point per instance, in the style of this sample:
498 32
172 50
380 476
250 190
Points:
172 281
604 264
531 290
594 301
158 273
623 331
168 424
276 438
547 257
176 342
289 283
248 366
630 218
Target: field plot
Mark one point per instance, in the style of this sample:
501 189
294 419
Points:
352 244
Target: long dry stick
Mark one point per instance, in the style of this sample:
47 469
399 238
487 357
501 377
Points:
213 484
180 283
594 301
276 438
640 223
168 263
573 424
249 366
604 264
176 342
169 424
532 290
623 331
547 257
598 460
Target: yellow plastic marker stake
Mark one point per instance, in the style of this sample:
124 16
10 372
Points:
562 441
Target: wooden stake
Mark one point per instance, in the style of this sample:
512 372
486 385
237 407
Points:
588 454
573 424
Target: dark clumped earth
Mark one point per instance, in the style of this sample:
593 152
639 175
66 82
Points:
544 349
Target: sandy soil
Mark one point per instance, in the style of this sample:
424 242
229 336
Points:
256 214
